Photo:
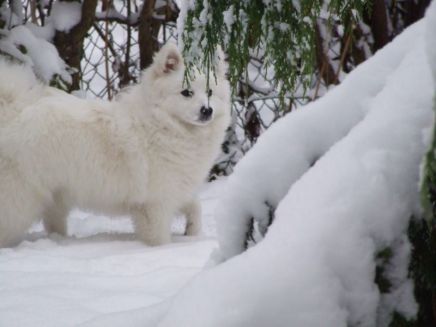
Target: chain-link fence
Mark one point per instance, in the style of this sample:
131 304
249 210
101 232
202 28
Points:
111 50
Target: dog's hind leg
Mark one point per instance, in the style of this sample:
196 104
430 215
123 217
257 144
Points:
192 212
20 205
55 216
153 224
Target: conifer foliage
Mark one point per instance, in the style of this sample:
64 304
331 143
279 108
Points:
422 234
282 33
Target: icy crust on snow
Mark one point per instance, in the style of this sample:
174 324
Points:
289 148
316 265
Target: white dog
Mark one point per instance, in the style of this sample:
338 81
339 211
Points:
144 154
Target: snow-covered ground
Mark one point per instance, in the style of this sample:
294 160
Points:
57 281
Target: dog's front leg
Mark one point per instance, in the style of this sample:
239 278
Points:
55 216
153 223
192 212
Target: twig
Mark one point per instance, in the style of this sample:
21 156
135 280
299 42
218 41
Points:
343 54
102 35
106 60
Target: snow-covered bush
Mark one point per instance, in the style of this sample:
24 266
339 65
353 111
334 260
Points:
291 146
337 253
32 45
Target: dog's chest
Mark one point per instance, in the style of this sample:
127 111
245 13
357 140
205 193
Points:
179 162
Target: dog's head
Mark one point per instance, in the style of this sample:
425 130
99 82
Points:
196 104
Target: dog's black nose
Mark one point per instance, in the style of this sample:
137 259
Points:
205 112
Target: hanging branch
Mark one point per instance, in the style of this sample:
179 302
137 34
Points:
106 54
103 37
113 16
33 6
125 76
327 72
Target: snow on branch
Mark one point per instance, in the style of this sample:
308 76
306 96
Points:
65 15
113 15
291 146
27 44
164 11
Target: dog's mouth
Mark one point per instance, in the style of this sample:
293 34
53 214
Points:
203 119
200 121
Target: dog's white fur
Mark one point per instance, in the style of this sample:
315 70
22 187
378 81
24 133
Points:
144 154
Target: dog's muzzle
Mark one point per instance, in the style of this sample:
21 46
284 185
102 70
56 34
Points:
205 113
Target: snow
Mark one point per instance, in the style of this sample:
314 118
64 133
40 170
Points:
229 17
17 9
37 52
111 13
44 32
184 6
8 14
292 145
101 270
65 15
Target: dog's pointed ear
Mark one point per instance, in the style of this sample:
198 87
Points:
167 60
221 64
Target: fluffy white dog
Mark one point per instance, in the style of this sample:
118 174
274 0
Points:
144 154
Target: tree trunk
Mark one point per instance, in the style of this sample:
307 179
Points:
378 21
414 11
147 34
70 44
149 26
325 68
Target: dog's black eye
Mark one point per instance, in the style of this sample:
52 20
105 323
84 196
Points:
187 93
209 93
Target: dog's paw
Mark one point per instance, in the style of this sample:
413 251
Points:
192 229
156 241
